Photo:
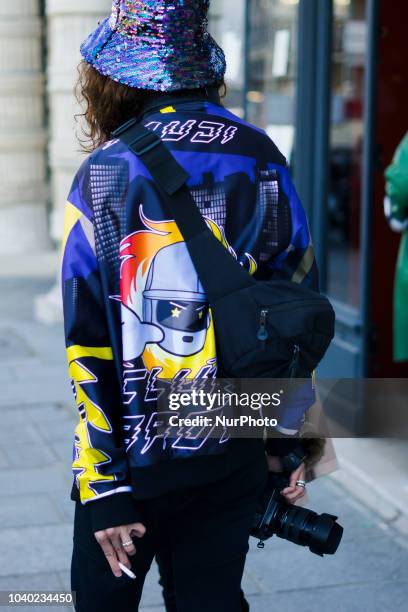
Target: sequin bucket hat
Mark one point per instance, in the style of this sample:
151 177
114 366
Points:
156 44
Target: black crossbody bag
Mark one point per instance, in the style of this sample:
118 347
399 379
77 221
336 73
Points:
263 329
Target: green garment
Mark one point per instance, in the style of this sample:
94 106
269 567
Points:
397 192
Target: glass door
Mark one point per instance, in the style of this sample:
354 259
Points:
259 38
349 48
348 201
227 25
272 69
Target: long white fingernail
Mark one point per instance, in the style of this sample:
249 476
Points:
127 571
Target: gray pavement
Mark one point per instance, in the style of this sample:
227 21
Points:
37 415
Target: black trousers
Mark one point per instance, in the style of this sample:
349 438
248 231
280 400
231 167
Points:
200 537
166 581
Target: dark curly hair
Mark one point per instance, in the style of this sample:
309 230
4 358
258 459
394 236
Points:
107 104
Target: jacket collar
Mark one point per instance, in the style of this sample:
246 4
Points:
183 100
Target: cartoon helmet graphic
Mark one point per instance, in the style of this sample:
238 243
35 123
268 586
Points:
174 299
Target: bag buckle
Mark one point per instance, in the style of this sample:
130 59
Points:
146 142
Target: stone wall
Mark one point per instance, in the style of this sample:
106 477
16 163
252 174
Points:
69 22
23 197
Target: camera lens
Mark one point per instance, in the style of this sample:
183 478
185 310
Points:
320 532
301 526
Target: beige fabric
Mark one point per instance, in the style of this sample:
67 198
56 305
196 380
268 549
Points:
314 426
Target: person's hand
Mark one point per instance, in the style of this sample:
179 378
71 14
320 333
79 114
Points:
117 544
294 491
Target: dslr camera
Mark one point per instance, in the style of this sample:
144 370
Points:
320 532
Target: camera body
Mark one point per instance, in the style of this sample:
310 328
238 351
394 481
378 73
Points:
321 533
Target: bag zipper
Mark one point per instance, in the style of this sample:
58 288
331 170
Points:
299 304
262 334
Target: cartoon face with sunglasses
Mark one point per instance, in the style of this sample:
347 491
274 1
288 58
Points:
175 308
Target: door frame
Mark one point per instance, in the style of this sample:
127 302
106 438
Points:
311 171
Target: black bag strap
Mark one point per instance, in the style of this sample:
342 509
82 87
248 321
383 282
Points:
218 270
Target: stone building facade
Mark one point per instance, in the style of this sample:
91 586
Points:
39 152
39 53
68 24
23 192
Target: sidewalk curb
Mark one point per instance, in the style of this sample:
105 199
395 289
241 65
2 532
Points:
371 494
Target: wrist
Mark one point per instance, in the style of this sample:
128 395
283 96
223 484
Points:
113 510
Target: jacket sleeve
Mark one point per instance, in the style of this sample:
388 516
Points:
296 262
396 201
100 470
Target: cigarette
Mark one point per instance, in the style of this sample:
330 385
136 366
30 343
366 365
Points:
127 571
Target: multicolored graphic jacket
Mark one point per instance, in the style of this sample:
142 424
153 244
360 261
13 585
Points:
134 308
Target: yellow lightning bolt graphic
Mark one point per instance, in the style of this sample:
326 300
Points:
94 415
87 457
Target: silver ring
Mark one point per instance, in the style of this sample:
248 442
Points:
301 483
128 543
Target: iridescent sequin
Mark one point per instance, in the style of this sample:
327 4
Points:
156 44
